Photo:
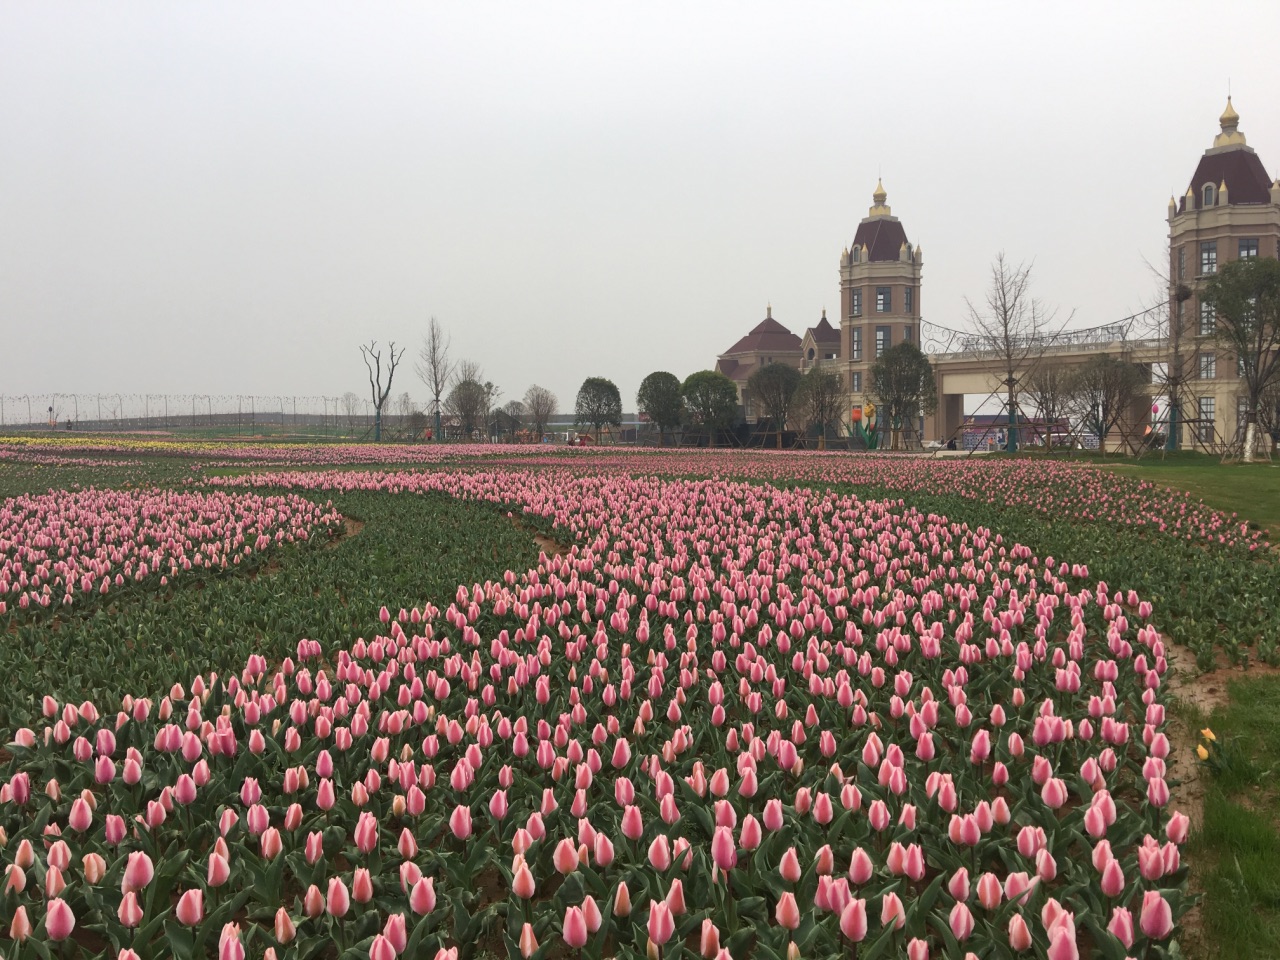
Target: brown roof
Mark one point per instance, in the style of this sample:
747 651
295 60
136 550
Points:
768 335
1245 176
727 367
883 237
824 332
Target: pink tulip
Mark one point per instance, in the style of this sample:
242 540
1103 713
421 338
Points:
574 928
565 858
1121 926
660 853
528 942
891 911
338 899
723 852
422 900
20 926
230 947
1156 919
853 920
313 902
522 882
622 901
381 948
95 868
961 921
138 872
789 867
460 822
219 870
1019 934
59 920
1113 879
361 886
283 927
787 912
190 910
860 867
661 925
130 911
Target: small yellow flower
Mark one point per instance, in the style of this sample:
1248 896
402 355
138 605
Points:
1208 734
1202 753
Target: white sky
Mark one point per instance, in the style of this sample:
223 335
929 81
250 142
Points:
229 198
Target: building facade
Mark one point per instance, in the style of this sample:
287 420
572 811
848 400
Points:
880 275
767 342
1230 211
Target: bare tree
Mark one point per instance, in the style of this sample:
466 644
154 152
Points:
1269 411
819 400
541 405
1245 299
468 399
379 391
512 417
1049 386
1012 326
1102 393
351 410
434 368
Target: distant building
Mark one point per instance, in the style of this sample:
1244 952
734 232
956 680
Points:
879 294
820 346
768 342
1231 211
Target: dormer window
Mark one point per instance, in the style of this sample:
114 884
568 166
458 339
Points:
811 353
1209 194
856 254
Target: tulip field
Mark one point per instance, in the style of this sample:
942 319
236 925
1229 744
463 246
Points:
732 706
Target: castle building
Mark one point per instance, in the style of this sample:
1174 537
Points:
1230 211
767 342
879 294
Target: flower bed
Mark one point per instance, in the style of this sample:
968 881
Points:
61 546
735 719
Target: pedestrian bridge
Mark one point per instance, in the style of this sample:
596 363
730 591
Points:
966 364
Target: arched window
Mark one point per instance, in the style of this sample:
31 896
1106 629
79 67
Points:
1208 194
856 253
811 353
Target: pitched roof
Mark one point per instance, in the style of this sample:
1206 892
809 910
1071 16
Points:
767 335
824 332
883 237
1241 169
727 367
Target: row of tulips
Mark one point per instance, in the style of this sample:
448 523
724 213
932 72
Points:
58 546
1051 488
734 719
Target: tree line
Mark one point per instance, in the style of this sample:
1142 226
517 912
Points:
1011 325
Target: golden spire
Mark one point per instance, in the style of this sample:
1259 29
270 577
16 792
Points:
879 208
1230 122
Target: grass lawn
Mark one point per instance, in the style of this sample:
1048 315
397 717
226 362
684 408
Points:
1252 491
1237 850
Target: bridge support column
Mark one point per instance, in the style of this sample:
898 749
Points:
945 424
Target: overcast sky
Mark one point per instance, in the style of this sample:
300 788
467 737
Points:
228 198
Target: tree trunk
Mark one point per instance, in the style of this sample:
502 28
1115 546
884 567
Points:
780 436
1250 439
377 425
822 439
1012 438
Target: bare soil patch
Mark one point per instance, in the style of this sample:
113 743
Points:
552 548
